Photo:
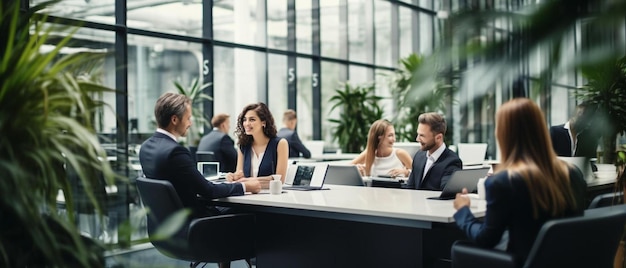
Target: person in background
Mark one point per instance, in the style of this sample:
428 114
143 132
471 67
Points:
220 143
577 137
530 186
434 164
261 153
296 148
380 158
163 158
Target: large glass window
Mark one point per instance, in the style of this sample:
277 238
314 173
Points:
330 28
239 21
382 31
332 75
406 37
304 30
277 86
97 11
239 79
360 31
304 98
277 24
164 16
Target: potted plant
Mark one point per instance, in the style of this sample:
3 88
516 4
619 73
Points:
358 109
409 104
46 120
606 89
195 92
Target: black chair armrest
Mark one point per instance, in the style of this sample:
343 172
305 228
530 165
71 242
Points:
224 237
467 255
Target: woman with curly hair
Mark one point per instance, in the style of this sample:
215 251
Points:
261 154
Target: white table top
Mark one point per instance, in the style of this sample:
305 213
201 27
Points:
410 207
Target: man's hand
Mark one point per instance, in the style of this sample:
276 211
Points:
252 185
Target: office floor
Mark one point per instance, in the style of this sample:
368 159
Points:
148 256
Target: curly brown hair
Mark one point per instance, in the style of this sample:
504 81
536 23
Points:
264 115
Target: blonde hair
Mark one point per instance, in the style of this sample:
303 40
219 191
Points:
378 129
526 150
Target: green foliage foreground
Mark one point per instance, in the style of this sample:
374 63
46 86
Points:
46 124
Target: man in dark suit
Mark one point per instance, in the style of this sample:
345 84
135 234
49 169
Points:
434 164
296 148
218 142
163 158
577 137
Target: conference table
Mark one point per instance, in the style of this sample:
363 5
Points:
350 226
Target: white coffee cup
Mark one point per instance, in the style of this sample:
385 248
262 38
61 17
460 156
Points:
480 187
276 186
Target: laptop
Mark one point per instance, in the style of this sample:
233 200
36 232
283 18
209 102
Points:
306 176
343 175
210 170
582 163
464 178
472 153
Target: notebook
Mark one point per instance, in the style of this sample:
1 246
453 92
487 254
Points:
210 170
464 178
472 153
583 164
306 176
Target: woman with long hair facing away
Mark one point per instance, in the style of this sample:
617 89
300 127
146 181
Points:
261 154
530 185
380 157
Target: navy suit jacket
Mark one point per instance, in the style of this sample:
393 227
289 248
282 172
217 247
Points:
439 173
509 207
164 159
295 144
587 142
223 147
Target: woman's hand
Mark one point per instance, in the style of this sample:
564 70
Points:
461 199
361 169
399 172
234 176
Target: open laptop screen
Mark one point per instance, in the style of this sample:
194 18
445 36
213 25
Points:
210 170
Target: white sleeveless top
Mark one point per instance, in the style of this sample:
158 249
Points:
382 165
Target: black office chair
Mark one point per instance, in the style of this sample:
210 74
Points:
586 241
220 239
608 199
205 156
343 175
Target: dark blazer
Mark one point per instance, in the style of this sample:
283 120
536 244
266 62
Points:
587 142
163 158
439 173
223 147
295 144
509 207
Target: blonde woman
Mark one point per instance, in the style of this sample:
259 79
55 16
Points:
380 158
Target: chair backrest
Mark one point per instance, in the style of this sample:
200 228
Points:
343 175
587 241
162 201
608 199
205 156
